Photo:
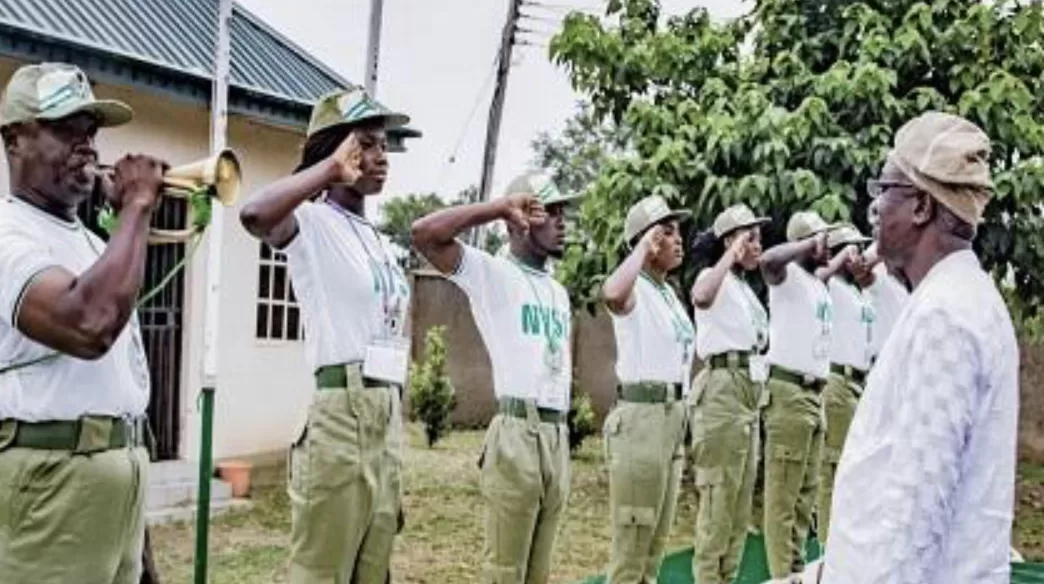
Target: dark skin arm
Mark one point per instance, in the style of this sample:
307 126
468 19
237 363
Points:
83 315
774 261
435 235
269 216
618 289
705 290
837 263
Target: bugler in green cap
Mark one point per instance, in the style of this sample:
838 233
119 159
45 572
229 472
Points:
51 91
542 187
351 106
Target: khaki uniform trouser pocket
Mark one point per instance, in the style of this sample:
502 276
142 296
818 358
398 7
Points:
345 486
794 441
725 455
68 517
524 479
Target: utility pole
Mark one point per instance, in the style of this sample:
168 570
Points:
496 108
373 47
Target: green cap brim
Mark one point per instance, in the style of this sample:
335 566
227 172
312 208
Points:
392 121
756 222
108 111
569 199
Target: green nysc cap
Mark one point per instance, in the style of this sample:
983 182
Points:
349 107
51 91
541 186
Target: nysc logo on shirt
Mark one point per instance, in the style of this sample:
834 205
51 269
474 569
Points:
544 322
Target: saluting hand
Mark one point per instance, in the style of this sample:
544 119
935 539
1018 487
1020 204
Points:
348 158
652 241
738 247
524 211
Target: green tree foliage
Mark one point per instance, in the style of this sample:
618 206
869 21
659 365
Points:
432 397
794 106
576 157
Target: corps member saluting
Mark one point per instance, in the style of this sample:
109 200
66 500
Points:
731 329
345 468
523 315
74 384
645 432
799 362
851 348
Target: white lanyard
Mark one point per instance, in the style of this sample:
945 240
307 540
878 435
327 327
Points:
386 276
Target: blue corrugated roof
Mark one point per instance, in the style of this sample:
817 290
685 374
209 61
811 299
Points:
179 35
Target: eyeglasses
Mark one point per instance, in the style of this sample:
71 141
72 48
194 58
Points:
875 188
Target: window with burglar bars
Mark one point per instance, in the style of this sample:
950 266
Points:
278 314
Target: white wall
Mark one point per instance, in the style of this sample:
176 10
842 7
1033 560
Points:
264 387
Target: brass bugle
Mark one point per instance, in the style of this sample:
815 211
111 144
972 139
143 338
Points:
219 174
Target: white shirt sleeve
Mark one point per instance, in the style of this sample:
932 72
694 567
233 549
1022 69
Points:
22 258
934 417
478 275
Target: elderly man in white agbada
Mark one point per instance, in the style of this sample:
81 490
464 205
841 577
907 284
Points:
925 487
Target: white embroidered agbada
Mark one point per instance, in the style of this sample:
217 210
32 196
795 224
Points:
925 488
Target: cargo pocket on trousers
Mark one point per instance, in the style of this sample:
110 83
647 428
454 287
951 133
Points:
788 465
629 520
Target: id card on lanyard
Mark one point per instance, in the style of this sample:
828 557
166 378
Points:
387 356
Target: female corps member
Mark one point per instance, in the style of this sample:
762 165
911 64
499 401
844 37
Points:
645 431
732 328
344 470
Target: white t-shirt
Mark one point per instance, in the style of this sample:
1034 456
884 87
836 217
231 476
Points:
735 321
852 338
799 331
349 286
524 318
889 296
63 388
654 342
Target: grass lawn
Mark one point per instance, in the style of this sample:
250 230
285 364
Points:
442 540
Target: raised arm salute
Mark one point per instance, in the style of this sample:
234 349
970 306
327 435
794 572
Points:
524 317
345 468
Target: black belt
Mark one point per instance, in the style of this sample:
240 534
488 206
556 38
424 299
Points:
649 392
729 359
519 408
801 379
336 377
847 371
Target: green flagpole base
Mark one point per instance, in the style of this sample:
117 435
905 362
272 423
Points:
206 471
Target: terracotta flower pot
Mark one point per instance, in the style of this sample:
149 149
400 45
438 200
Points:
237 474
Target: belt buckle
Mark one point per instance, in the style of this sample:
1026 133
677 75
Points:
732 359
130 431
808 380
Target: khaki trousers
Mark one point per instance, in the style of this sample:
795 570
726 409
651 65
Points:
644 449
68 517
725 450
525 486
793 444
345 486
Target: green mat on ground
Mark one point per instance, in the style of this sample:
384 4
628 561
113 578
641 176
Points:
677 566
